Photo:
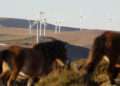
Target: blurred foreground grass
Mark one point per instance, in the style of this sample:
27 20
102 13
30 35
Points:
73 77
65 77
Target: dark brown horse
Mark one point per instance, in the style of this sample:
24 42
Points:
34 62
107 44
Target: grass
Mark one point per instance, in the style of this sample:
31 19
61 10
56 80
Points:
75 78
65 78
16 39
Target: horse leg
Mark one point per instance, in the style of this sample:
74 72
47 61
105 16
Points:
15 71
112 70
30 82
5 76
113 73
12 78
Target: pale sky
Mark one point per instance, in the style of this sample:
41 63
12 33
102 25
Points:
95 14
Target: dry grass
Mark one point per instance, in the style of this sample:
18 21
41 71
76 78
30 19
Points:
17 35
74 78
63 78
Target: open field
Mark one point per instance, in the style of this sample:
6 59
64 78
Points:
81 38
79 41
79 44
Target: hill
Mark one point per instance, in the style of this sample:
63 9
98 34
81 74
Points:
24 23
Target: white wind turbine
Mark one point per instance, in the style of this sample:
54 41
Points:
37 33
44 29
59 25
81 17
40 22
56 27
31 25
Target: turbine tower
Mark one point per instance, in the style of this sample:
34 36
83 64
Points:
40 22
32 24
37 34
30 27
81 17
44 30
56 27
59 27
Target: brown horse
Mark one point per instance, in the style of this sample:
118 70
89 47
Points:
34 62
107 44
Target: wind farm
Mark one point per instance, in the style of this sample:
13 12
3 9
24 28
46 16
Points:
59 43
31 32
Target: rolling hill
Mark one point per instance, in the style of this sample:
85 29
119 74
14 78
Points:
23 23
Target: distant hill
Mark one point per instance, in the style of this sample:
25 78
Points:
23 23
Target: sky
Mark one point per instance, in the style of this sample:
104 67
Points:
91 14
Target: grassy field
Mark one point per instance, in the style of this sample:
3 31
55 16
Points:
19 35
66 77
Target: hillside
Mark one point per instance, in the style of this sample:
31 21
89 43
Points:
23 23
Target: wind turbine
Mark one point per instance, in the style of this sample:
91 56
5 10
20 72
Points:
59 27
40 22
56 27
32 24
37 34
81 17
30 27
44 30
